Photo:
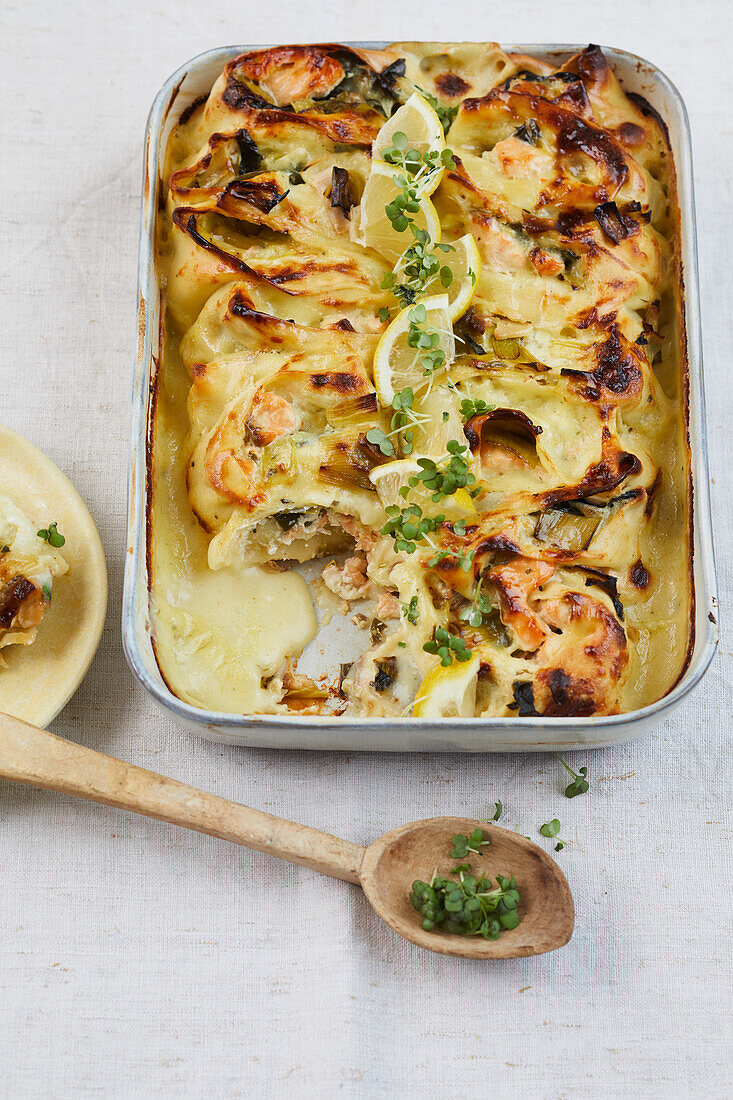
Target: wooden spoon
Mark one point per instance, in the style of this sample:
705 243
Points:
385 870
68 637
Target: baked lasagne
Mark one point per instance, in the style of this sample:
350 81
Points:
420 326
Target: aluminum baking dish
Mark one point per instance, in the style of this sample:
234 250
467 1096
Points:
195 79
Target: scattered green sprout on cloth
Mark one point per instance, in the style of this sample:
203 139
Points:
580 783
551 830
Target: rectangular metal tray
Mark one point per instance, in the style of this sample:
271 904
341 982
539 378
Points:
408 734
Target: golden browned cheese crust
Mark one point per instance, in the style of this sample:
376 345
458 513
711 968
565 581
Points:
571 348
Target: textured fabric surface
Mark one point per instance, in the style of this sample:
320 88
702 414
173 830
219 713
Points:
140 960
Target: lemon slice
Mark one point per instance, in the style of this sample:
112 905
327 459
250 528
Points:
393 476
439 421
464 262
375 230
448 692
390 478
459 504
420 124
396 364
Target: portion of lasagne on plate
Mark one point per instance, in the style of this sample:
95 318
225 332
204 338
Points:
29 563
420 331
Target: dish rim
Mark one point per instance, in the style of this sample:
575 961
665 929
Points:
705 609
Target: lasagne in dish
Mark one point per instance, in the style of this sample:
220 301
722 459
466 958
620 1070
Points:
420 331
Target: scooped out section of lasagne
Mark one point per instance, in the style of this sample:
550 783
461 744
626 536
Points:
29 565
421 326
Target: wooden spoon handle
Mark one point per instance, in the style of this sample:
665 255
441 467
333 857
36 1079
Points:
34 756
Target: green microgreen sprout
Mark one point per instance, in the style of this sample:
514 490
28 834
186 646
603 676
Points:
418 268
380 439
410 611
447 646
419 166
384 314
464 560
462 845
402 155
419 265
51 535
446 477
445 114
467 907
480 605
415 172
471 407
408 526
580 782
429 356
497 812
47 592
406 202
405 419
551 830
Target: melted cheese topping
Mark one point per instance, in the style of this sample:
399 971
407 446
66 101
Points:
265 391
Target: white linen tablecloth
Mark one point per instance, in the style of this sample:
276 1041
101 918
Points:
139 960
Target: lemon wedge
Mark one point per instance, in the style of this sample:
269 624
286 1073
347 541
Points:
390 478
396 364
420 124
464 262
448 692
373 229
459 504
438 421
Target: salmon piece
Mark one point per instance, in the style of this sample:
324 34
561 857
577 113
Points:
21 604
544 263
520 160
349 581
516 582
362 536
290 73
31 610
270 417
586 661
497 245
388 607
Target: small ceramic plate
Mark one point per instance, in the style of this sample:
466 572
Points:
40 678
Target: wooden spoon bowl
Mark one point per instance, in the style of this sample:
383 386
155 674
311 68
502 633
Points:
393 862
